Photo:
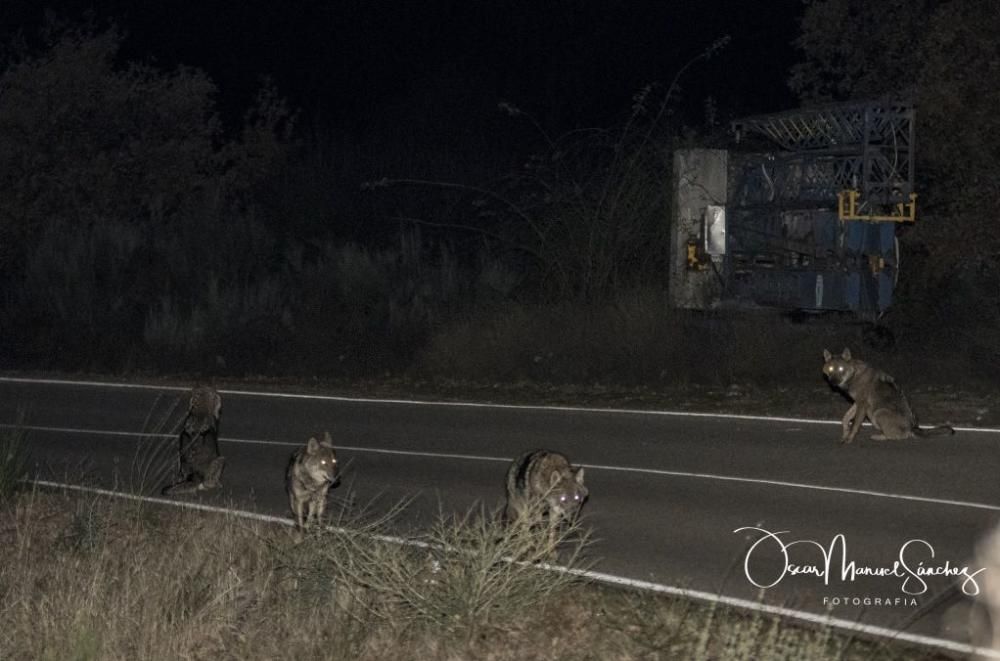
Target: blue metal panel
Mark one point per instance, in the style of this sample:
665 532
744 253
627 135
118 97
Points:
887 236
854 237
885 288
852 287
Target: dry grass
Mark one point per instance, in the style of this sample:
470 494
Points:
98 578
635 339
13 458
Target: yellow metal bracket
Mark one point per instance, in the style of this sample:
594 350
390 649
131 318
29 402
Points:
695 259
847 209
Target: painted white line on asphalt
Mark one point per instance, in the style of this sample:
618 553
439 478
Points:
847 626
620 469
801 485
214 509
418 402
95 432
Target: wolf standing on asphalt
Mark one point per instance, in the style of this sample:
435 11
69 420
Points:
876 396
311 472
201 464
542 484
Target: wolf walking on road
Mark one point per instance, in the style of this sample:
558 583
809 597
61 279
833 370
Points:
200 462
542 487
311 472
877 397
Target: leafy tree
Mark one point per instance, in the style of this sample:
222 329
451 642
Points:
120 190
942 55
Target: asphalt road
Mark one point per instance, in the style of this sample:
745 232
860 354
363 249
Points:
667 491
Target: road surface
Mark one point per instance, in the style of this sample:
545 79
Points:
667 490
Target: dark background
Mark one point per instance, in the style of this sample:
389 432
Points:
397 220
571 63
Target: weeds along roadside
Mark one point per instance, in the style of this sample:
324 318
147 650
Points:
90 576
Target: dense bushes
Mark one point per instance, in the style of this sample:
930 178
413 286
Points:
121 198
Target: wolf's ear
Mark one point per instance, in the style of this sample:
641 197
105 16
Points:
847 354
312 446
327 440
827 355
578 474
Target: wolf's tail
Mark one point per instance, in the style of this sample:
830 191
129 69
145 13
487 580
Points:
187 486
940 430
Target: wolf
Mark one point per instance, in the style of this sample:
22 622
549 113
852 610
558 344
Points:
986 630
200 462
311 472
541 483
876 396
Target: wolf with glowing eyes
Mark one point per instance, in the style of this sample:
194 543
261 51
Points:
311 472
542 484
875 396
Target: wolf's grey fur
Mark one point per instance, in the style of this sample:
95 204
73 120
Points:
542 484
875 396
200 462
311 472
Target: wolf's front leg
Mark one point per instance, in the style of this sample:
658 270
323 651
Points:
551 549
859 417
846 423
298 508
319 507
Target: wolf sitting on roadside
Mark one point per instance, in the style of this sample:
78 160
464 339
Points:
200 462
311 472
876 396
542 484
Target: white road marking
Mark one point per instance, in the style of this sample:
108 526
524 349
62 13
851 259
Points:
419 402
802 485
847 626
621 469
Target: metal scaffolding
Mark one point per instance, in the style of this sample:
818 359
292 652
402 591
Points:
867 146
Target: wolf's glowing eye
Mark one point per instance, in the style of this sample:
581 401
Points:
840 369
562 499
576 496
322 462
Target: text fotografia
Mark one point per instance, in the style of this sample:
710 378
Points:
833 602
834 561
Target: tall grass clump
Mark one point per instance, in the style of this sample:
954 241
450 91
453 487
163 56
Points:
114 584
651 627
84 577
13 459
468 573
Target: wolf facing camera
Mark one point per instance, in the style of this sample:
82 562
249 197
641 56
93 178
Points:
542 484
311 472
875 396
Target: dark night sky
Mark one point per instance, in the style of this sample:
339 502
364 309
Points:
571 62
